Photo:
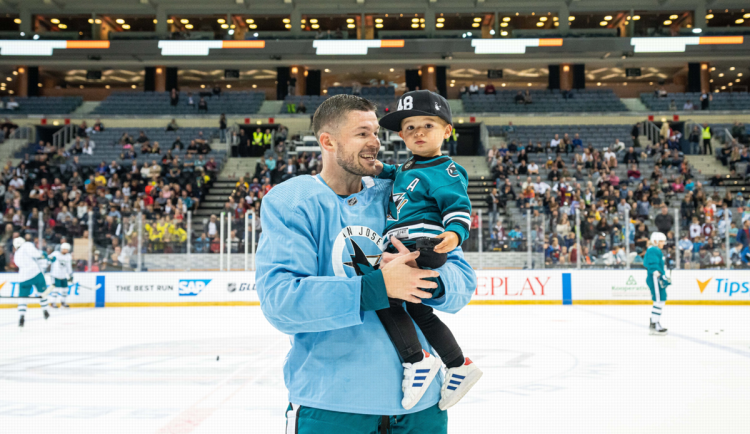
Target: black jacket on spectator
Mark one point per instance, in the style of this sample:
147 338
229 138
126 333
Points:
664 223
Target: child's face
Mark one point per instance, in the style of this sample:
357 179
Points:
424 135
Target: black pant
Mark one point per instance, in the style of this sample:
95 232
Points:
398 325
707 147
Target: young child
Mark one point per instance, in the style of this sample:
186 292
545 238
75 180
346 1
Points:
429 207
657 280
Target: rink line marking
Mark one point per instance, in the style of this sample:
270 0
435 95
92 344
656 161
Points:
672 302
191 417
677 335
36 305
183 304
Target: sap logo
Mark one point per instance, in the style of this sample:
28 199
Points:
731 288
191 288
232 287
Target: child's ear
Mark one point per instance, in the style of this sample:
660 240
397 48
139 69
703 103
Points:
448 131
401 134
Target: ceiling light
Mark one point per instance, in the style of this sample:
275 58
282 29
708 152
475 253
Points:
189 26
224 26
232 26
598 83
709 16
54 21
15 72
415 20
746 16
542 19
133 86
529 84
17 21
203 86
250 21
554 18
229 86
539 24
731 68
120 21
315 26
286 21
738 80
673 17
477 20
155 21
62 26
713 68
302 21
379 25
739 21
414 25
506 19
288 26
221 21
106 87
636 17
351 26
474 24
667 22
126 26
439 25
571 18
421 20
327 70
169 21
739 75
627 18
350 20
255 86
608 17
503 85
453 85
313 21
184 21
730 84
603 23
302 26
503 33
91 21
380 20
503 24
421 25
711 80
723 87
255 26
721 75
439 20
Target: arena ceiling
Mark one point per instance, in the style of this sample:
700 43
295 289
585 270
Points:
348 6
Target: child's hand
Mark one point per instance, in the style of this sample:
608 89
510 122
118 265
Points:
450 242
378 167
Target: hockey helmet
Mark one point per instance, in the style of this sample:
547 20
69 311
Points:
18 242
65 246
658 236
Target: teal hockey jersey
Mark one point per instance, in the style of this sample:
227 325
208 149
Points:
428 197
653 260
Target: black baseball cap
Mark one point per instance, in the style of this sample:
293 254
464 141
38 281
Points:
417 103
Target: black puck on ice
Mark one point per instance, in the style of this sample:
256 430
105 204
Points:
217 358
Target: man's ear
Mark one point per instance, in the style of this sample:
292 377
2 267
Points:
327 142
448 131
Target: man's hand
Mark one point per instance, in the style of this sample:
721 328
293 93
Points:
450 242
402 250
403 282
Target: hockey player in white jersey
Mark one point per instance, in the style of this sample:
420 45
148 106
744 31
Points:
30 275
61 269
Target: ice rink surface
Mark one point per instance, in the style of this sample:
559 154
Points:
547 369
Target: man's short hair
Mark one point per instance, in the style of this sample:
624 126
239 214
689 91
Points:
336 108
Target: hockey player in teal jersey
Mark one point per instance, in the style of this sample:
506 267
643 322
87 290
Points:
657 280
429 211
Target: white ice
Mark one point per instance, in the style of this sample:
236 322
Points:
561 369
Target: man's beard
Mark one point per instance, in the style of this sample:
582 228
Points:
351 165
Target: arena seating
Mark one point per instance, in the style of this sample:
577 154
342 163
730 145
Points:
721 101
42 105
545 101
147 103
383 96
599 136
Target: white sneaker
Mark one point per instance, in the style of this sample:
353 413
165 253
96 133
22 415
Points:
417 378
457 383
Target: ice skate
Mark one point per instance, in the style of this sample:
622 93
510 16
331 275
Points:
21 322
417 378
458 381
656 329
46 314
65 305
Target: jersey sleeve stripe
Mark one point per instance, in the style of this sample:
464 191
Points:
452 215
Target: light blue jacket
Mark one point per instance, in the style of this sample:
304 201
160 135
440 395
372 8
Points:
316 251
